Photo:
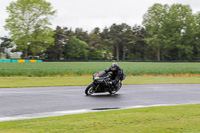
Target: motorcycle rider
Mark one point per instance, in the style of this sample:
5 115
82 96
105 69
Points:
117 74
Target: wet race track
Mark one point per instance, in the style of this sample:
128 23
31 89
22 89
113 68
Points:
44 100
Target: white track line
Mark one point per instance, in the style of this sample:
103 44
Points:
60 113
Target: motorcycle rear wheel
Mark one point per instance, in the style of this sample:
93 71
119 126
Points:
90 89
115 90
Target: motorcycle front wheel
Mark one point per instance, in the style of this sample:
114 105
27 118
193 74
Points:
90 89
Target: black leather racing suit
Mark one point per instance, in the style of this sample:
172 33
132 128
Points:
116 76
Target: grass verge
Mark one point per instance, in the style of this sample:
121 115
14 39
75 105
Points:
80 80
167 119
81 68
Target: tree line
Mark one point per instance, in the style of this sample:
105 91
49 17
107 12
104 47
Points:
119 42
168 33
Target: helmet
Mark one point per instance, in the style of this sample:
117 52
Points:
114 66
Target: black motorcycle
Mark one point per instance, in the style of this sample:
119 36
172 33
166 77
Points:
102 83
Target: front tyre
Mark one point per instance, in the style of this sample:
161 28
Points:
90 89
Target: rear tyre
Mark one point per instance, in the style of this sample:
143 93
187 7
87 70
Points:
90 89
114 90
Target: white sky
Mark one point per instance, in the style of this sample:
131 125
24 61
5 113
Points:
88 14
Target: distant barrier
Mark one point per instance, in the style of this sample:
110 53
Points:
20 60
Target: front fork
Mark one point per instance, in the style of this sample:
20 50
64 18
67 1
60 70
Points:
95 87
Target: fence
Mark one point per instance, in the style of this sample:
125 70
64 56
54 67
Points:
20 60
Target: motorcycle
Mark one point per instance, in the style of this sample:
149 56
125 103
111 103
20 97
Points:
102 83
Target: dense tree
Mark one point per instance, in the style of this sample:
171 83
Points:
95 45
5 44
40 40
128 39
81 34
76 49
55 51
154 20
196 49
24 16
170 31
179 32
139 49
115 36
108 43
97 49
120 37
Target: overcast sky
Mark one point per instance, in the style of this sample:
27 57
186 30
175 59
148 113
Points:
88 14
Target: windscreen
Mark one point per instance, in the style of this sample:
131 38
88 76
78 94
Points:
101 73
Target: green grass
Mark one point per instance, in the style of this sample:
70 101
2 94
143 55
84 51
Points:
169 119
155 119
80 80
83 68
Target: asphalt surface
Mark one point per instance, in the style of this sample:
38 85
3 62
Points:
21 101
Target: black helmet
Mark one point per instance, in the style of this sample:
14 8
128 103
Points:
114 66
